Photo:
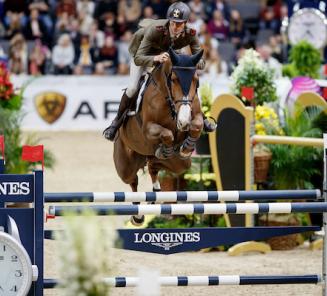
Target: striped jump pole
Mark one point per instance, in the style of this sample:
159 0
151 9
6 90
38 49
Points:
187 209
183 196
182 281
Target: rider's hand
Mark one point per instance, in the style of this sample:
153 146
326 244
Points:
201 64
161 58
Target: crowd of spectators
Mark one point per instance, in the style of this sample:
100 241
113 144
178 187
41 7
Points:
92 36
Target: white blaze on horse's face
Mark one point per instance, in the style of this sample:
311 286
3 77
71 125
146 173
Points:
184 116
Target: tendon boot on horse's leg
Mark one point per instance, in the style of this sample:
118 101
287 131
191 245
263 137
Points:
110 132
208 126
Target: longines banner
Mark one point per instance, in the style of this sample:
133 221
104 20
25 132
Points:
79 102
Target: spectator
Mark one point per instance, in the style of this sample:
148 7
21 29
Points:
195 23
206 40
110 27
236 29
124 57
43 8
108 55
131 10
75 36
148 13
265 52
270 16
85 55
15 26
96 36
220 5
66 6
86 6
63 55
122 26
18 55
276 48
38 59
197 6
85 21
63 25
215 66
218 26
35 28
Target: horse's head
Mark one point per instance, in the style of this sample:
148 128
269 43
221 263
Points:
183 83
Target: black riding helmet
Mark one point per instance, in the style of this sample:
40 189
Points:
178 12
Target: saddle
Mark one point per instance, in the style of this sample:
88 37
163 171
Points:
138 96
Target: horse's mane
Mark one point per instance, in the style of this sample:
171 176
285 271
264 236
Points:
162 70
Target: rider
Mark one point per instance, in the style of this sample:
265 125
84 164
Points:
149 46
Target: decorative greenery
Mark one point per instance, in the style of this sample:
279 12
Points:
305 61
266 121
206 96
10 121
187 221
252 72
293 167
10 127
84 250
199 176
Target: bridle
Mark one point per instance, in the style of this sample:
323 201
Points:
172 103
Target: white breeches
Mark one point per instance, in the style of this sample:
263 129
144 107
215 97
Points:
135 74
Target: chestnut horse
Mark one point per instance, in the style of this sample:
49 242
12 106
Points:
164 131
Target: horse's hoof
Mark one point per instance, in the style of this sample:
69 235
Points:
184 155
137 220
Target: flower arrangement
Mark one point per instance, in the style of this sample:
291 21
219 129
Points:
83 255
252 72
10 120
8 98
267 121
206 96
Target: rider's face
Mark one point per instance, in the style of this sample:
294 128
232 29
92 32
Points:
177 27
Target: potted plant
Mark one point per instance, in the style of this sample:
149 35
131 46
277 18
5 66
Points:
252 72
266 122
294 167
305 61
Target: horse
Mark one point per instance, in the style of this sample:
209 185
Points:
163 132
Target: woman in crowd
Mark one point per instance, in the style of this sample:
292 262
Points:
63 55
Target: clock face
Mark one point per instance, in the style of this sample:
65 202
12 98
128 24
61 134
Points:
308 24
15 267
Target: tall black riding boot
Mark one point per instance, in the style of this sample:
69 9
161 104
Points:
110 132
208 126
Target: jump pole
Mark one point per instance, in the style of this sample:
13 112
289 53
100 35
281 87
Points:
188 209
182 196
180 281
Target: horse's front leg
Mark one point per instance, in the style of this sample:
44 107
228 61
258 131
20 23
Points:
163 136
188 145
